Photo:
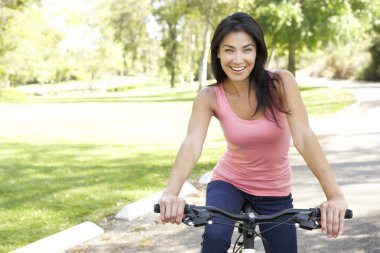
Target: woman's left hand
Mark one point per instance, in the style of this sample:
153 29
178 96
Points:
332 216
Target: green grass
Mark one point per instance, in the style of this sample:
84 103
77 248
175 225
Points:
50 187
11 95
68 159
323 101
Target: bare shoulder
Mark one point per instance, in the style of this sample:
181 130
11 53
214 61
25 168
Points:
206 94
287 78
207 91
206 97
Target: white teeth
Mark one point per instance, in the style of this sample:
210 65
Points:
237 68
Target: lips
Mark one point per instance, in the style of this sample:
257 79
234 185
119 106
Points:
238 69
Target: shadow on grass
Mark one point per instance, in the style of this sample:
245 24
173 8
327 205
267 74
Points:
48 188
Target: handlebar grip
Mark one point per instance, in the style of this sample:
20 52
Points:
347 215
186 210
156 208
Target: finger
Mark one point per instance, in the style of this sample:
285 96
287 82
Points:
181 207
329 222
323 219
168 212
162 212
174 211
341 222
336 223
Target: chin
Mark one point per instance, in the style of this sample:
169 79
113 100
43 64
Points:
239 80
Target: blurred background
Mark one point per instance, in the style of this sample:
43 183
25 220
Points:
95 94
50 41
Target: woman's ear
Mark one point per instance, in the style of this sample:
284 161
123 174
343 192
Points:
217 54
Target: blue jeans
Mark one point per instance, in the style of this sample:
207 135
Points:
217 237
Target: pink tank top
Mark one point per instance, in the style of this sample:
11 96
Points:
256 159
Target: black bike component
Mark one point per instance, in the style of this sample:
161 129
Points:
201 215
197 217
249 231
307 220
194 216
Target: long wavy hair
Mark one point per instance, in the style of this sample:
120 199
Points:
262 81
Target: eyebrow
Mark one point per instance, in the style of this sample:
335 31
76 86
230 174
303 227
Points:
243 46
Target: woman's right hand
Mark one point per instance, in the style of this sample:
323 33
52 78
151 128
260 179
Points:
171 208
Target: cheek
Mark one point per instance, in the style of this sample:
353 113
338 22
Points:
224 61
253 60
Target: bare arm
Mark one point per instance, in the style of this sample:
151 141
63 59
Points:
306 142
191 148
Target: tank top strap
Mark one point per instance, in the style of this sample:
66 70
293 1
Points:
220 99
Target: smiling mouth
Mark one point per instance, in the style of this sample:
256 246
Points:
238 69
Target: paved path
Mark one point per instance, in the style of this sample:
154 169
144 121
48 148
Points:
353 149
351 140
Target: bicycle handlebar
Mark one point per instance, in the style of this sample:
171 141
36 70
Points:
199 215
317 212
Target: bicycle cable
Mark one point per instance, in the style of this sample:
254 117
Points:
256 234
277 224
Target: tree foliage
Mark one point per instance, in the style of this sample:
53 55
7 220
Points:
128 19
295 25
52 40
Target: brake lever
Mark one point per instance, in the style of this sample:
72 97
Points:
306 220
197 217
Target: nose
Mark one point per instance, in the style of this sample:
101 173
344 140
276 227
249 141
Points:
238 58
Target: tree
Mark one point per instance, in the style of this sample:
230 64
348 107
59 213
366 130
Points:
129 20
295 25
190 22
370 20
9 8
94 54
170 15
213 11
34 43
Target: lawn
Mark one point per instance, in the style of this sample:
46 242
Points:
71 158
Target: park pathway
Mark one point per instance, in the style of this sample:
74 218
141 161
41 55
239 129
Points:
351 140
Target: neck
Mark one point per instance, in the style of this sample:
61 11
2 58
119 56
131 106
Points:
238 88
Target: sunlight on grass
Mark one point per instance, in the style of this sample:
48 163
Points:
323 101
48 188
11 95
42 185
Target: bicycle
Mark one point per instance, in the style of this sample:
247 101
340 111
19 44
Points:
247 221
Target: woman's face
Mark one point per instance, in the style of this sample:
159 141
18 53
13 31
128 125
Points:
237 54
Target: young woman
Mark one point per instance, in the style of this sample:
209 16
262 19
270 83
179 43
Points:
259 111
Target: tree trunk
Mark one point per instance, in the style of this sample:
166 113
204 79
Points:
203 67
125 67
272 53
292 59
173 64
172 78
206 48
171 54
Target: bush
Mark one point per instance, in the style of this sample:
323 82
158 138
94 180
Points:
372 72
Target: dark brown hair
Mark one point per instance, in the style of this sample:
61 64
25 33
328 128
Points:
261 80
